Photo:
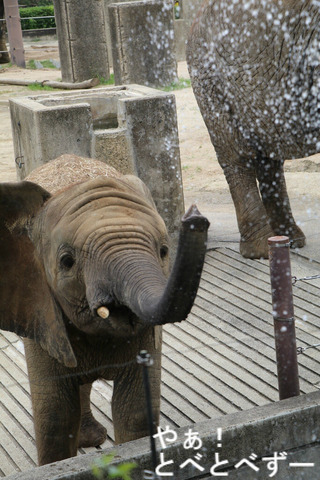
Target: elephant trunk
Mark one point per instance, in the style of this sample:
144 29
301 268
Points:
155 299
182 286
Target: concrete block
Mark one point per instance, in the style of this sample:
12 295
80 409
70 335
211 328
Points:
42 133
131 128
142 37
82 39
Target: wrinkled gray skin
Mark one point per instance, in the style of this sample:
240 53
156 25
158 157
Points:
254 66
97 243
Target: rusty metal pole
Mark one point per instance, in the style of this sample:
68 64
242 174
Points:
12 15
145 359
282 306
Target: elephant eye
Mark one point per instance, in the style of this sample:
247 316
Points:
164 251
67 261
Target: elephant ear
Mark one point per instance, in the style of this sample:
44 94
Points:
27 306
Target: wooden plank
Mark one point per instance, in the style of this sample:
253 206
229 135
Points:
195 401
190 374
22 449
180 410
18 414
217 372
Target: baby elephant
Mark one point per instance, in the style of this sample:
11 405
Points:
86 260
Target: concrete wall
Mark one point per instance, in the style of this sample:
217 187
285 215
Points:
132 128
291 426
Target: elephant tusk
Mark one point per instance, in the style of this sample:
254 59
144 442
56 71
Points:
103 312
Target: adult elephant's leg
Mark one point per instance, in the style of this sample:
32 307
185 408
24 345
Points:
92 433
253 221
129 407
276 201
56 405
252 217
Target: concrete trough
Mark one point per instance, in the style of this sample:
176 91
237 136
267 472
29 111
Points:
132 128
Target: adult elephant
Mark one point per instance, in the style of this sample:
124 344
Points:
4 55
254 66
86 282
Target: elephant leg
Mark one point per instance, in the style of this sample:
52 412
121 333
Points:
129 407
252 217
56 405
239 170
276 201
92 433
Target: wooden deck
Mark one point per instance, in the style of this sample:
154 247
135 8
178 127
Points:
221 360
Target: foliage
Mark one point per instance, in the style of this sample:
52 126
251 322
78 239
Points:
6 65
177 10
34 3
104 81
45 63
103 467
38 86
179 85
36 23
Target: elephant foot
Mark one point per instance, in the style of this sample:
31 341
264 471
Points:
295 234
298 242
92 433
258 247
255 245
254 249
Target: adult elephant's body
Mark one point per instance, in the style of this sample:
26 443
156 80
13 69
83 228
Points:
254 67
87 286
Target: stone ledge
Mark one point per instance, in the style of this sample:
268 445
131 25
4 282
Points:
289 425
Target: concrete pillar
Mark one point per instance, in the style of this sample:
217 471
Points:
142 37
82 39
11 9
182 25
152 129
132 128
106 13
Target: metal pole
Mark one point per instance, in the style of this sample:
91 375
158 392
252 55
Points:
282 306
144 359
12 15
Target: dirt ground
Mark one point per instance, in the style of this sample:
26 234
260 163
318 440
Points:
203 179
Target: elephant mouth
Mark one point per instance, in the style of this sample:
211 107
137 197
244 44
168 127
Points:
116 319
